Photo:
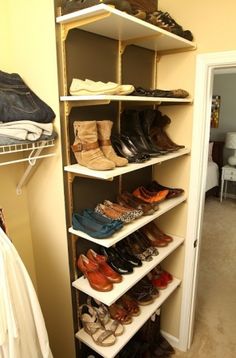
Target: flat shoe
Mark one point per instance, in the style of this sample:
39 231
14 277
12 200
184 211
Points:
91 227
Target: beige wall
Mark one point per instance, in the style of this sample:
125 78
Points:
211 22
15 207
214 30
37 218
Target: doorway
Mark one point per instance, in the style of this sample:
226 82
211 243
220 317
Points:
207 64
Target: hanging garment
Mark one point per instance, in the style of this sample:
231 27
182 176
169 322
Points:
22 329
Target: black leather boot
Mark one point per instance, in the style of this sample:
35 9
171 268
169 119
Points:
130 125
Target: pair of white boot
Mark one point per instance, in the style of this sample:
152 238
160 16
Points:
88 87
92 146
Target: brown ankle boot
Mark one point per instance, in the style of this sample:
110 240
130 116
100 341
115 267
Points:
86 148
104 134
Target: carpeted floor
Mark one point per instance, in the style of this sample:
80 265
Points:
215 326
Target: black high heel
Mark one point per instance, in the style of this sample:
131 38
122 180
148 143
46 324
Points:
122 149
116 262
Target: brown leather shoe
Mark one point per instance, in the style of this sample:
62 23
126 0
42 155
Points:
155 240
173 192
130 201
156 232
148 196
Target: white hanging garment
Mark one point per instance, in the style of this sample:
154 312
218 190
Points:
22 329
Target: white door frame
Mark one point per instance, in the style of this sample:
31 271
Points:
205 66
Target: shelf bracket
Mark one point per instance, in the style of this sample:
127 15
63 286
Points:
32 158
138 40
81 22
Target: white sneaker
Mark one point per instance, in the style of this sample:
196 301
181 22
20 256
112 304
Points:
88 87
121 89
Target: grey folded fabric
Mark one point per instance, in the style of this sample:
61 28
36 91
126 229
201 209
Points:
26 130
6 140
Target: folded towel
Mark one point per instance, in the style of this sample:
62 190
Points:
26 130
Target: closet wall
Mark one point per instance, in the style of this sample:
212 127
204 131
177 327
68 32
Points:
212 24
15 207
36 219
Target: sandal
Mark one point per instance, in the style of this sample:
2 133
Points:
93 326
105 317
120 314
130 304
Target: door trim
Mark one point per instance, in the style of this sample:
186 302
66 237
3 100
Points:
206 64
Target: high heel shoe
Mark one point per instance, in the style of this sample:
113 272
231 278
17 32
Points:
146 243
120 314
157 233
105 317
154 240
122 149
93 326
129 304
96 279
104 268
127 255
137 248
116 262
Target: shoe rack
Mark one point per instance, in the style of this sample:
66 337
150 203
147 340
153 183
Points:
105 44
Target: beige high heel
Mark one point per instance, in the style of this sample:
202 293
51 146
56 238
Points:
93 326
105 317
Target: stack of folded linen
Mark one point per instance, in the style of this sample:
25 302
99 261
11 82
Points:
91 88
24 117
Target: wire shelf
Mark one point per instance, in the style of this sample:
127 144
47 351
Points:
15 148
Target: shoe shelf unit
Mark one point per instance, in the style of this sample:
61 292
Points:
132 328
106 21
102 43
110 174
74 101
129 280
133 226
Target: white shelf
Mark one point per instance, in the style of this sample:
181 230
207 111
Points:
107 21
129 280
110 174
131 329
83 100
133 226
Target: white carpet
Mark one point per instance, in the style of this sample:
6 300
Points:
215 326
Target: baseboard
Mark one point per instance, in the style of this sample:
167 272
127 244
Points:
230 196
174 341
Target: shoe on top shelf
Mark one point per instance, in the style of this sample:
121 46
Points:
88 87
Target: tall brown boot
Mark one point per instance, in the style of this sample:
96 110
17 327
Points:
104 134
159 134
86 148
